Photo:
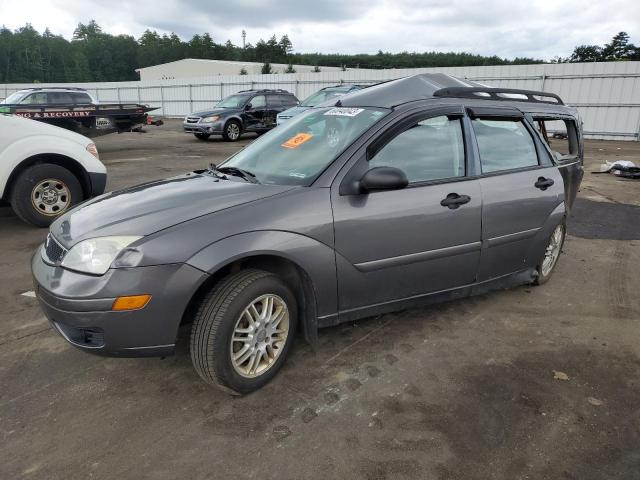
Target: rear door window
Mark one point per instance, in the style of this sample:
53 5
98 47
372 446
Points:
60 98
274 101
561 135
431 149
504 145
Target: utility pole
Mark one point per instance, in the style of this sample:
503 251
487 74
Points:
244 39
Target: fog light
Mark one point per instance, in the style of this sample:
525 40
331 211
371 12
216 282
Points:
130 302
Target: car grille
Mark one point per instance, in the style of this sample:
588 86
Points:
53 251
193 119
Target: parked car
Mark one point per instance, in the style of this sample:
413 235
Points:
44 170
76 110
322 95
246 111
422 189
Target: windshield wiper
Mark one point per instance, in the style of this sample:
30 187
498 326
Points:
236 172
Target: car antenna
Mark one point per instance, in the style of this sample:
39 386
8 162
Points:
338 103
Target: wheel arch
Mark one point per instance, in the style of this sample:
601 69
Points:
539 243
236 119
285 268
50 158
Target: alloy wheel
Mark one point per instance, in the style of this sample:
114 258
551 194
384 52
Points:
233 131
553 251
259 335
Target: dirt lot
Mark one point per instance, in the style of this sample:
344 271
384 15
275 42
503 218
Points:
531 383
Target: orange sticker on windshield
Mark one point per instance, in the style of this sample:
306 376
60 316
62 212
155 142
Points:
297 140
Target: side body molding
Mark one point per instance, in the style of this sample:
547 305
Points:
314 258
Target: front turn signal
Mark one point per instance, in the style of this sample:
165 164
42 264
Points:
130 302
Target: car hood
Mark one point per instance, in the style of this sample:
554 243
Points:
293 111
214 111
18 127
154 206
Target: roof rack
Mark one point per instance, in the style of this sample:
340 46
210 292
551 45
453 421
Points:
278 90
55 88
503 94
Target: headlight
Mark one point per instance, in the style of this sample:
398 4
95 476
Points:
93 150
210 119
96 255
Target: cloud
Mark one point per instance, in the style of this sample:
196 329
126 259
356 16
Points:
540 29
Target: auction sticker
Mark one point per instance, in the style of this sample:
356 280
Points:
344 112
297 140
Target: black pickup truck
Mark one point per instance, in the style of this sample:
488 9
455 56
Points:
75 109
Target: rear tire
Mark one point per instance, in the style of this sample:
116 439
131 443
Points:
551 255
43 192
226 329
201 136
232 131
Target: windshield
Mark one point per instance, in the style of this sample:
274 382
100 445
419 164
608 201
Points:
298 151
14 97
321 96
234 101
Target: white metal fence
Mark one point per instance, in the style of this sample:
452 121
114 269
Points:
607 94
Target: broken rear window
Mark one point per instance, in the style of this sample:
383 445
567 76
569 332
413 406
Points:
560 134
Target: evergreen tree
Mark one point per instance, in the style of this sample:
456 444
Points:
84 32
285 45
619 48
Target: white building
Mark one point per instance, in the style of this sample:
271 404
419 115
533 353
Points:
194 67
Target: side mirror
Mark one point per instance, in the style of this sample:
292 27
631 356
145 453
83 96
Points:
383 178
247 106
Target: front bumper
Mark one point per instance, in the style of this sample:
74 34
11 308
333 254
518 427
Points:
214 128
98 183
79 306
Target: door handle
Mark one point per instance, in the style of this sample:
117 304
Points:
453 200
543 183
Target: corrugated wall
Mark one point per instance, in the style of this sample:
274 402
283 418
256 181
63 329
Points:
607 94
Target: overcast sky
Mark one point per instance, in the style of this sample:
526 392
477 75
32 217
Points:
542 29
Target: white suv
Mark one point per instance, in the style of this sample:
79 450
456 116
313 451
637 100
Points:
44 170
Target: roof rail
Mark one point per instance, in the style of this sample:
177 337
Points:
55 88
503 94
278 90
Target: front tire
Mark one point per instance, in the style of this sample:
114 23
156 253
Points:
201 136
43 192
243 331
552 252
232 131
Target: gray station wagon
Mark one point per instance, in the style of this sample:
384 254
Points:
418 190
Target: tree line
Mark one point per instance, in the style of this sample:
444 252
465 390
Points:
619 48
27 55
